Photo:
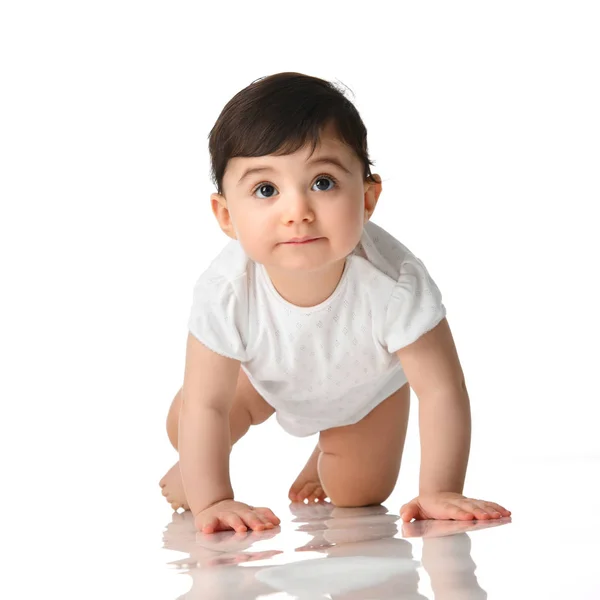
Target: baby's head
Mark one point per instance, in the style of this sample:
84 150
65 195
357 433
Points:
282 128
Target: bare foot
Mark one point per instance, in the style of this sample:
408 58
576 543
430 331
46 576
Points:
308 484
172 488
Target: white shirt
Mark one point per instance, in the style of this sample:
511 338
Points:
327 365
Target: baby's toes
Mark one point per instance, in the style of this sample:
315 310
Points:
301 493
318 494
167 494
295 491
175 504
172 488
308 492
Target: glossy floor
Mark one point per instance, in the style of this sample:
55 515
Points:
547 549
112 535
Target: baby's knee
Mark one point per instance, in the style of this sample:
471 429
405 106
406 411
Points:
173 419
348 485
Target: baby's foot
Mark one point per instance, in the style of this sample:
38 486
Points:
308 484
309 488
172 488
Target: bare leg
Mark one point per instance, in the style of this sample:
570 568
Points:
359 464
338 441
249 408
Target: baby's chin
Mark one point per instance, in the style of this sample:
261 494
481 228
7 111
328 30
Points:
304 265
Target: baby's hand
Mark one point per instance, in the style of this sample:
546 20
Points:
451 506
229 514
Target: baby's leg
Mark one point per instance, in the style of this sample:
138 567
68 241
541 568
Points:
249 408
359 464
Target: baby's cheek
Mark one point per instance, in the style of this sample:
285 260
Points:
253 241
256 249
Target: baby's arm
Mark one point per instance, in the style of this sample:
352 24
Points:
209 386
434 372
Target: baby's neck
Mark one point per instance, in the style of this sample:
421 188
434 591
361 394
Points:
307 289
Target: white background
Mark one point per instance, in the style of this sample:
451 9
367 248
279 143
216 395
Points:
483 122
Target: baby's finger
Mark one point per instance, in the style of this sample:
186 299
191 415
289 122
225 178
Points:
210 526
493 506
265 520
459 514
489 509
234 521
256 521
269 514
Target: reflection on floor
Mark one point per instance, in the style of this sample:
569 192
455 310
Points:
342 553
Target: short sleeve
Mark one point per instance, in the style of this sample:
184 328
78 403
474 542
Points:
415 306
217 317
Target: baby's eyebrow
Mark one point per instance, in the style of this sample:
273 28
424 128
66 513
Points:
326 160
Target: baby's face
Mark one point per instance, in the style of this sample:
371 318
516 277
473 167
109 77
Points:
297 196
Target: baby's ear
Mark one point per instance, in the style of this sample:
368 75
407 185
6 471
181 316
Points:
372 192
221 212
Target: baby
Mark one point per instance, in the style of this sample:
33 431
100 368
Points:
331 319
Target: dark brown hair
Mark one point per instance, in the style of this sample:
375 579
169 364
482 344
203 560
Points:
277 115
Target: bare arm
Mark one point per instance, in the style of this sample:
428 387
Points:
209 386
433 369
445 432
434 372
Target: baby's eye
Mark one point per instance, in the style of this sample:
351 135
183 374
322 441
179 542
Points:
261 187
264 187
324 177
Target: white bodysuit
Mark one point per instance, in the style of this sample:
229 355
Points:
327 365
